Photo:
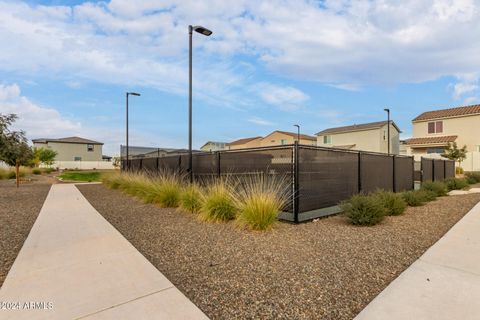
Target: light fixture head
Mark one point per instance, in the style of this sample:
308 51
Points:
134 94
386 109
202 30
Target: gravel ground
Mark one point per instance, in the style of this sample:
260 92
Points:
18 211
326 269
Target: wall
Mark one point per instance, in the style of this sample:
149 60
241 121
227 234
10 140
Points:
366 140
83 165
68 151
274 139
251 144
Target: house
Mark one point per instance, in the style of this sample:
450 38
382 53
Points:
371 136
72 148
434 130
275 138
213 146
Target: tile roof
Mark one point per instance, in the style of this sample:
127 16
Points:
67 140
446 113
242 141
431 140
292 134
357 127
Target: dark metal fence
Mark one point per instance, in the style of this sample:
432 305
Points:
435 169
320 177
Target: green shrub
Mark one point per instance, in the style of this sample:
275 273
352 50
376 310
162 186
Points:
259 199
218 203
363 209
439 188
3 174
428 195
393 202
416 198
166 192
456 183
458 170
48 170
472 177
191 199
11 174
36 171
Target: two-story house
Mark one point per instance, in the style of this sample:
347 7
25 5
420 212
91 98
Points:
72 148
275 138
434 130
371 136
213 146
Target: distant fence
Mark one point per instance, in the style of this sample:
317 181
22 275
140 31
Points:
83 165
435 170
320 177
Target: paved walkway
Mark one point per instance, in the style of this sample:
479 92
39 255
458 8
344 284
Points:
80 267
444 283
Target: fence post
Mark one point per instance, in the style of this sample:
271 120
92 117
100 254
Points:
140 166
296 191
393 176
433 170
413 173
444 169
218 164
158 160
359 164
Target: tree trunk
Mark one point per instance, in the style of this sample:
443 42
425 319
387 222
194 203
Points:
17 170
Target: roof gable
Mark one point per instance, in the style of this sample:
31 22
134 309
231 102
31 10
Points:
242 141
447 113
67 140
357 127
292 134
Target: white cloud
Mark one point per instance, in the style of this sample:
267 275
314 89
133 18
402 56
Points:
260 121
467 88
284 97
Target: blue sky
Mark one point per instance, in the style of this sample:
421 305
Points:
65 66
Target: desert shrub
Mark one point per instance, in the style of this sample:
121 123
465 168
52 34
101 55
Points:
259 199
218 204
415 198
191 198
393 202
456 183
458 170
166 190
472 177
363 209
438 187
3 174
428 195
11 174
48 170
36 171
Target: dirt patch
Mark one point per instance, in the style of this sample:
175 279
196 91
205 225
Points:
325 269
18 211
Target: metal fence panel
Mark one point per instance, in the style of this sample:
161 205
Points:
403 173
449 169
326 177
135 164
204 164
169 163
150 165
376 172
273 161
438 170
427 169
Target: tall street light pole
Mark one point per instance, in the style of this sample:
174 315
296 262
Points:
207 33
388 129
126 96
298 132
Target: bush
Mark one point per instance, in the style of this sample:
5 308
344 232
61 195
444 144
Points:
456 183
48 170
472 177
166 191
191 199
428 195
458 170
439 188
218 203
416 198
259 199
36 171
364 210
392 202
11 174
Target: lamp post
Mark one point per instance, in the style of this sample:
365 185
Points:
126 95
388 129
207 33
298 132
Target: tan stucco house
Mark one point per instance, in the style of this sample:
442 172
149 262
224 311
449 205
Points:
72 148
276 138
434 130
371 136
213 146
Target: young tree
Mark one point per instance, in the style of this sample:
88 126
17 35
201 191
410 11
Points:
14 149
47 156
454 153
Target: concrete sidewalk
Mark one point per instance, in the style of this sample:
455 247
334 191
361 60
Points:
444 283
75 265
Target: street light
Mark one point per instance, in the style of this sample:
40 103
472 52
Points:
388 129
128 94
298 132
205 32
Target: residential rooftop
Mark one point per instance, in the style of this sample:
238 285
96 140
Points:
67 140
242 141
357 127
447 113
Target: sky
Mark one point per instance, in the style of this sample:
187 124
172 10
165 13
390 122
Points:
65 66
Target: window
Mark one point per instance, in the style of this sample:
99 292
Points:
89 147
435 127
435 150
327 139
283 141
77 158
478 148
